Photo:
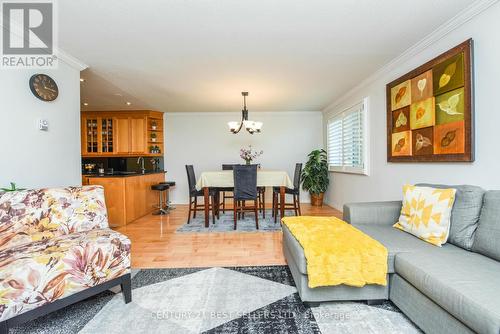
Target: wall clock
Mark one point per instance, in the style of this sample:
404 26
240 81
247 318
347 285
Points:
44 87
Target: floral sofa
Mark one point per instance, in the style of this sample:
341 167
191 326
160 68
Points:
55 249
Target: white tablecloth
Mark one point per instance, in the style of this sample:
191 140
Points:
223 179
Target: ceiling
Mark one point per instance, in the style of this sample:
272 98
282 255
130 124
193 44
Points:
198 55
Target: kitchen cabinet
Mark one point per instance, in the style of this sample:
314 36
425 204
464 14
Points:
122 133
129 197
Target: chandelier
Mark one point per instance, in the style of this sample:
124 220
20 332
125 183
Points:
250 126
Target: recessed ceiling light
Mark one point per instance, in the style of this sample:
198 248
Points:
82 79
129 103
85 104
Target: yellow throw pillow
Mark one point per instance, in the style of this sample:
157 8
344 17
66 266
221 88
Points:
426 213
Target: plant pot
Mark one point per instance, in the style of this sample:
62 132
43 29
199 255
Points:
317 199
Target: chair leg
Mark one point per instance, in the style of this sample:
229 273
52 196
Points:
223 202
264 203
235 213
243 212
195 206
272 207
295 205
217 197
275 208
189 213
126 286
213 208
256 215
298 204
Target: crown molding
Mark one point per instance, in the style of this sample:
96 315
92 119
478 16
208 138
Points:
70 60
452 24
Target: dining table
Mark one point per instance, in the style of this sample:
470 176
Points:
225 179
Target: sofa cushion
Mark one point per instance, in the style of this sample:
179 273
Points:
40 272
465 213
426 213
464 283
33 215
396 241
487 238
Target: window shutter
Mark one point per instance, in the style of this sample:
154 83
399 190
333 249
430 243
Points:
345 140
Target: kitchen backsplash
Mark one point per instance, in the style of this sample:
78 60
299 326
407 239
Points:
121 164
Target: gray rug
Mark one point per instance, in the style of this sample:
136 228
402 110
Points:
226 223
250 300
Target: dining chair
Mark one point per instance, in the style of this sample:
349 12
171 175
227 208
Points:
227 189
245 189
194 194
295 192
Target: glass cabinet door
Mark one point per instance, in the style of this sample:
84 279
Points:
91 135
107 135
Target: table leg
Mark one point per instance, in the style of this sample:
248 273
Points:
206 201
282 200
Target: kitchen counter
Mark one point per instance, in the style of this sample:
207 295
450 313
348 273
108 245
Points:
124 174
128 196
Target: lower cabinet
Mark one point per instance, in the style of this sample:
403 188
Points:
128 198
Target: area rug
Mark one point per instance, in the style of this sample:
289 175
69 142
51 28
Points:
217 300
225 223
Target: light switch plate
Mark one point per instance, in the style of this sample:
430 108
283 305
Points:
43 125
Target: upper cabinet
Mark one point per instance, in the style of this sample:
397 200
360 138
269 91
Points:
122 133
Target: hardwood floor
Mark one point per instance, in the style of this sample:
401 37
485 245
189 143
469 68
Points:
156 245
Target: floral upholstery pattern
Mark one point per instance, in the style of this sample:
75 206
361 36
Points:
32 215
54 243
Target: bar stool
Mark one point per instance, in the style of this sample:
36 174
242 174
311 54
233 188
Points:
161 188
168 205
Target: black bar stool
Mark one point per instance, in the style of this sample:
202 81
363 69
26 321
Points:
161 188
168 205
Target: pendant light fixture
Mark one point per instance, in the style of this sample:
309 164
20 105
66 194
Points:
250 126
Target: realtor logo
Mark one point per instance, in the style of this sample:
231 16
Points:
28 35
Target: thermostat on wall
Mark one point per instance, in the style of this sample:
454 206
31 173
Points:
43 125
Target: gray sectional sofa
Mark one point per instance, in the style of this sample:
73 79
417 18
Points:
449 289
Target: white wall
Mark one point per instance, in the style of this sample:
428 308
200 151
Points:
386 179
34 158
204 140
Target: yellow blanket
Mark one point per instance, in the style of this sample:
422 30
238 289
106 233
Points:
338 253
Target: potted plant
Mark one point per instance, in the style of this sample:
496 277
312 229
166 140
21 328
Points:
315 176
153 125
153 137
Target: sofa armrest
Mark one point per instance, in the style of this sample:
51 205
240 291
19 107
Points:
380 213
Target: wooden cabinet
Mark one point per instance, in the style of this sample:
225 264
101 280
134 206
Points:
128 198
122 133
122 136
138 135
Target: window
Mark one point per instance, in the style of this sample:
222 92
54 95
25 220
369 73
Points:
347 140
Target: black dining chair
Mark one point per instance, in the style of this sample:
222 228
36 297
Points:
194 194
295 192
228 189
245 189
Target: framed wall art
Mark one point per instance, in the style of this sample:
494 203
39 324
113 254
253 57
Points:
430 110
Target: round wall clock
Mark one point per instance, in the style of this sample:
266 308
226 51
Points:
44 87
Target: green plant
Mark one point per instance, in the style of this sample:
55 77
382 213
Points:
153 135
12 188
315 173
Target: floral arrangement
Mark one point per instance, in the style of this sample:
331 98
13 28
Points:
248 154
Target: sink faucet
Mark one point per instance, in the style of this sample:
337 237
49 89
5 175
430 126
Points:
141 161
